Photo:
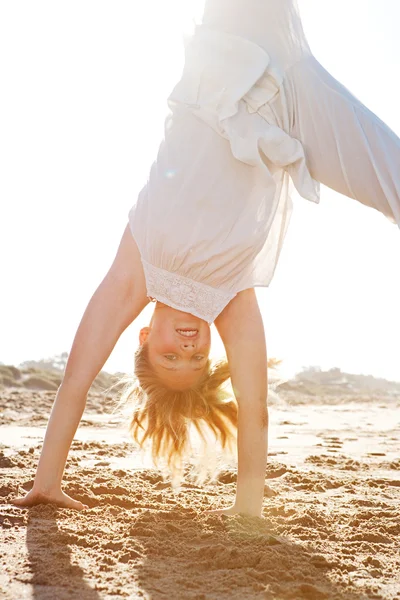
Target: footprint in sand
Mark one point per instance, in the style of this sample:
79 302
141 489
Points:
332 443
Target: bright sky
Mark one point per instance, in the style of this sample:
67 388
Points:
84 88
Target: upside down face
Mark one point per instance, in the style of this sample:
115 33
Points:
178 346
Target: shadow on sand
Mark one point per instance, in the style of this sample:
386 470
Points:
54 576
186 557
229 559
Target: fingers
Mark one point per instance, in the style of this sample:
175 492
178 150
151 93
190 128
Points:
221 511
74 504
18 501
67 502
31 500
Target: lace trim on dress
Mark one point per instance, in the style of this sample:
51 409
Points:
184 294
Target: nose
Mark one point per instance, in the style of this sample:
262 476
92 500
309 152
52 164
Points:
187 346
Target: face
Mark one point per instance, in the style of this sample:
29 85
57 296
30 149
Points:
178 346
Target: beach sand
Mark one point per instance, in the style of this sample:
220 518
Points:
331 516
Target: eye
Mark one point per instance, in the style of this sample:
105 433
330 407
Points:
198 357
170 356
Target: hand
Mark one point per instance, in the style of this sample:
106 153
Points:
58 497
223 511
232 510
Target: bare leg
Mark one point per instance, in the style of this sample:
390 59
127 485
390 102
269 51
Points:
120 297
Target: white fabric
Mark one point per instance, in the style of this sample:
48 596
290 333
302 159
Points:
253 112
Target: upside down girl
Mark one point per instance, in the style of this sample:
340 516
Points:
253 115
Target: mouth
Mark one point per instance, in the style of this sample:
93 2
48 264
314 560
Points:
188 333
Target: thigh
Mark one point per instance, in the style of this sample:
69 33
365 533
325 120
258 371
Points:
348 148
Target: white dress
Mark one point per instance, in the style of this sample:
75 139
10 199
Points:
253 114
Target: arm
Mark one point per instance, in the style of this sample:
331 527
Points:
242 332
118 300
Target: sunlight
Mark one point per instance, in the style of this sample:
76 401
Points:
81 123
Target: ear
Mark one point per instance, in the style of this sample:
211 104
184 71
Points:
143 335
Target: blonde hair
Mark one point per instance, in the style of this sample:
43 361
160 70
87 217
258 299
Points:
163 416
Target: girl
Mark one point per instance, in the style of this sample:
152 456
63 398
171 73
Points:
253 113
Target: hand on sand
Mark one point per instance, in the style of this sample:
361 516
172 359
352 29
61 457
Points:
59 498
223 511
232 510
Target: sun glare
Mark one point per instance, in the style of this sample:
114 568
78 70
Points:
81 120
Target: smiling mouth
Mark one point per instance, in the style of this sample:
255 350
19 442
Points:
189 333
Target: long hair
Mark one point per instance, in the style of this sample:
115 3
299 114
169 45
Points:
163 416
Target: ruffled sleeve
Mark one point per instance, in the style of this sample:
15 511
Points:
226 82
219 70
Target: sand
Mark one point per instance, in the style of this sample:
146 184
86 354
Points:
331 516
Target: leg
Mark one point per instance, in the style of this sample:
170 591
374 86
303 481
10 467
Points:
348 148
